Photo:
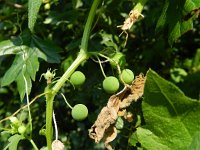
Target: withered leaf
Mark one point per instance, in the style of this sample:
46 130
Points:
116 106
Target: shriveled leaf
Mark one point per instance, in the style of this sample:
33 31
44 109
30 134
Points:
173 18
33 9
13 142
169 114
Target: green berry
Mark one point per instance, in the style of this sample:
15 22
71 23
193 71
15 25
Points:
127 76
118 59
79 112
22 129
111 84
77 78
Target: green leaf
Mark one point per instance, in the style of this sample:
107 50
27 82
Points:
28 48
13 72
172 117
195 145
46 50
25 65
13 142
33 9
149 140
14 46
173 18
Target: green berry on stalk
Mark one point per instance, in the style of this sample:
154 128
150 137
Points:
77 78
118 59
79 112
22 129
111 84
127 76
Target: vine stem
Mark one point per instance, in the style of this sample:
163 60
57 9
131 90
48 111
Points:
82 56
34 145
140 5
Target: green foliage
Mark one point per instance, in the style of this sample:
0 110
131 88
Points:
174 17
13 142
33 9
25 65
36 35
170 116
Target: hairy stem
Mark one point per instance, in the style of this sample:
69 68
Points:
82 56
49 114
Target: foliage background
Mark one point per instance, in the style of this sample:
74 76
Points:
148 46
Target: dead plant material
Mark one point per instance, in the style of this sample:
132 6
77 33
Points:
104 126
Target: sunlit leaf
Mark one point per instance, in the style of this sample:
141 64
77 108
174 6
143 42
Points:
33 9
13 142
149 140
195 144
170 116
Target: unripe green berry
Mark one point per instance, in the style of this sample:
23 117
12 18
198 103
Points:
127 76
79 112
77 78
22 129
110 84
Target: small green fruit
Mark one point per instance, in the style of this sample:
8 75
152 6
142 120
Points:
22 129
127 76
77 78
111 84
79 112
118 59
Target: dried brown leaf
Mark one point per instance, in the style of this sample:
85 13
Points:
116 106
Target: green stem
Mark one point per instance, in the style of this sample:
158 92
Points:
140 5
88 25
49 115
34 145
82 56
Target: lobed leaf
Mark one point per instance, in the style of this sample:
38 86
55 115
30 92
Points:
25 65
13 141
46 50
171 117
